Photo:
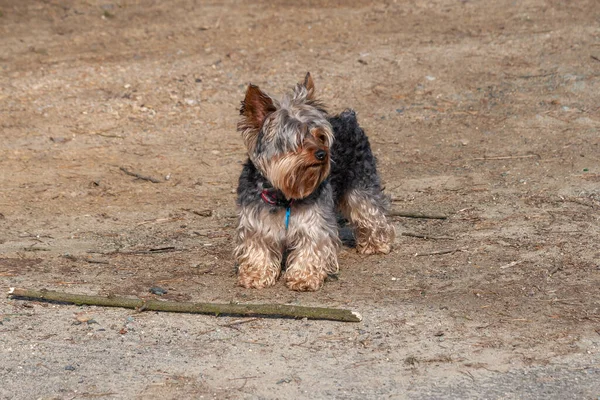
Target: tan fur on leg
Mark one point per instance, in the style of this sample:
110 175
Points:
313 243
374 234
259 248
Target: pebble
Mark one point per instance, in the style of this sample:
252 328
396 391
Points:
158 290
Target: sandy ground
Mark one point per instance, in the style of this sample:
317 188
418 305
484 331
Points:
485 111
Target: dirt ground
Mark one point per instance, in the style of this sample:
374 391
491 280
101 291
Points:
487 112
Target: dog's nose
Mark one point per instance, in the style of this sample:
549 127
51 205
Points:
320 155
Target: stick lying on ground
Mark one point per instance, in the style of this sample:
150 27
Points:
264 310
421 236
435 253
136 175
415 214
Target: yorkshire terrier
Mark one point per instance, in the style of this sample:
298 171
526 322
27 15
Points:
303 166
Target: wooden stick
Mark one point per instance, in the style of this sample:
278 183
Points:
421 236
415 214
505 157
435 253
265 310
146 178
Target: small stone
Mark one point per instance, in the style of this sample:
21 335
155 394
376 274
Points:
69 368
158 290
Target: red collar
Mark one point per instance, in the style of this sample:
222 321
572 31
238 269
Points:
274 197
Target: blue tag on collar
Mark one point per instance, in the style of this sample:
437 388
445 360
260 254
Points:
288 211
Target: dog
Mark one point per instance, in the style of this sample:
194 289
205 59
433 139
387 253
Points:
303 167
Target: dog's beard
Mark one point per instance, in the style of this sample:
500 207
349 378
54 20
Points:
297 175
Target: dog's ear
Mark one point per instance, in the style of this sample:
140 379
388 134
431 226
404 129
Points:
256 106
310 86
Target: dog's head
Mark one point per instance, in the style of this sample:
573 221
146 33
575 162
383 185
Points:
288 140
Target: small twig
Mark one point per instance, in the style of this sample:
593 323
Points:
243 377
203 213
159 221
532 76
435 253
234 324
149 251
265 310
415 214
418 235
87 260
101 132
511 264
162 249
239 322
468 374
505 157
138 176
595 58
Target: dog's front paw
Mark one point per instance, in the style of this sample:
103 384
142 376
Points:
303 282
257 278
377 241
374 248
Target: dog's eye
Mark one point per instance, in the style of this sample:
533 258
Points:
320 136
